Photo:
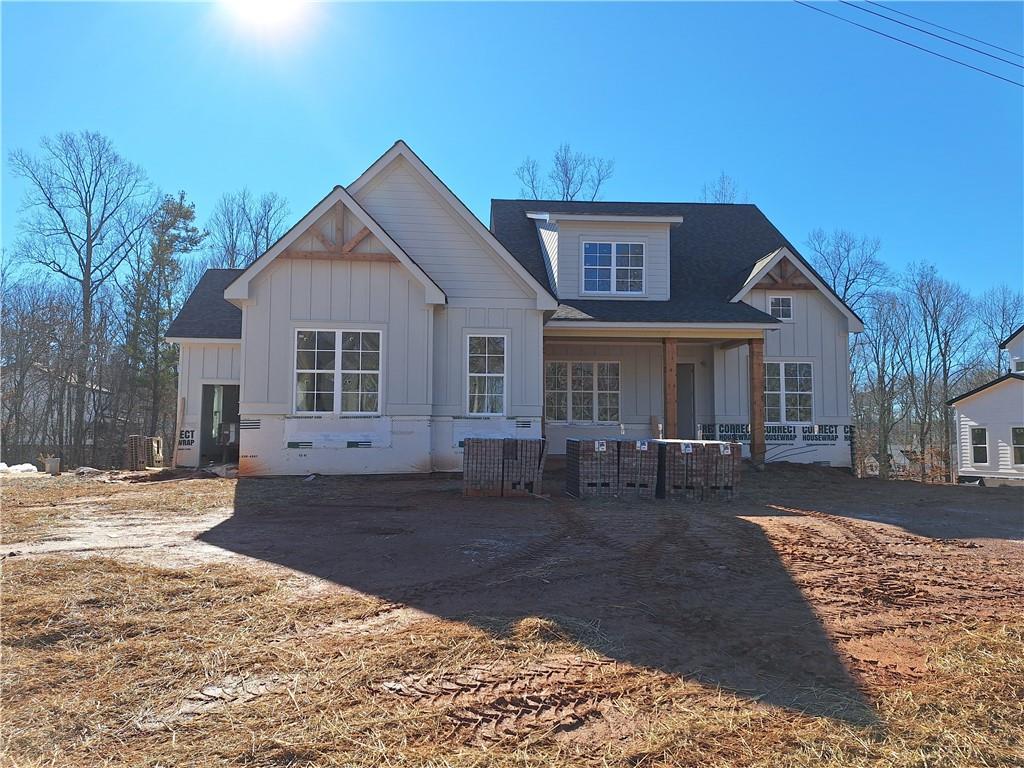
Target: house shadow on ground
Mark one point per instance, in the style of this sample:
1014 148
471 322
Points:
692 590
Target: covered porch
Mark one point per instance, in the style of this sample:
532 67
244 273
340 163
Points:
640 382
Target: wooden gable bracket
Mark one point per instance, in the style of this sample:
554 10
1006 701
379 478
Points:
788 279
333 251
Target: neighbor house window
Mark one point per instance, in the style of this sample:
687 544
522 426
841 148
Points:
979 445
581 392
1018 366
486 368
788 393
781 307
1017 438
360 372
613 267
319 370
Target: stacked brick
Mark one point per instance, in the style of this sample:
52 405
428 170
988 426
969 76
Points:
144 452
592 467
681 469
722 468
638 468
502 466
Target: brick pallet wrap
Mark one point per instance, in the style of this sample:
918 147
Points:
722 468
482 466
638 468
522 466
681 469
592 467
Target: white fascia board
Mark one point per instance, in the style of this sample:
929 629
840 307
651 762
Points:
198 340
238 291
615 218
544 299
856 326
655 326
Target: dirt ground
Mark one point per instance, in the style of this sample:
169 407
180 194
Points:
816 619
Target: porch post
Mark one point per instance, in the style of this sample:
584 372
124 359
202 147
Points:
671 386
756 362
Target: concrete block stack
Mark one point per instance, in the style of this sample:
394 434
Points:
638 468
592 467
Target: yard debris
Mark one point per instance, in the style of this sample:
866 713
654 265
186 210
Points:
21 468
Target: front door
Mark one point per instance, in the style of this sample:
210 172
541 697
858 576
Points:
685 401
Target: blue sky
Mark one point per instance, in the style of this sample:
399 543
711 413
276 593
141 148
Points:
821 123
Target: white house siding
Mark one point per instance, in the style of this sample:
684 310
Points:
997 409
200 363
548 234
522 325
572 234
335 294
641 387
438 240
818 334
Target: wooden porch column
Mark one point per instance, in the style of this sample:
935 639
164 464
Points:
756 361
671 389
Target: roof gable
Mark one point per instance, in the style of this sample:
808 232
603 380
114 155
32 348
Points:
238 290
400 149
1010 339
978 390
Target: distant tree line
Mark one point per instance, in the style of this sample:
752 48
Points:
101 266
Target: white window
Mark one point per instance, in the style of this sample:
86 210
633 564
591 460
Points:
788 393
581 392
781 307
1018 366
1017 438
486 366
613 267
979 445
319 371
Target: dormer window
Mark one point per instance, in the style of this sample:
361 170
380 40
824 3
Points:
613 268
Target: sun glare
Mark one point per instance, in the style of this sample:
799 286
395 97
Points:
267 17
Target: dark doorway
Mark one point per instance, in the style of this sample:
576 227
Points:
685 401
220 406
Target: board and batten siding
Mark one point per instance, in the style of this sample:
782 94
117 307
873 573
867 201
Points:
997 409
522 326
436 238
655 237
336 294
818 334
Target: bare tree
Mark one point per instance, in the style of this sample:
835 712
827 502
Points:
88 207
849 264
573 176
882 372
242 227
1000 311
724 189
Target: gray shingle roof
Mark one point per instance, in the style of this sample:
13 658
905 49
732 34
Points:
712 253
206 314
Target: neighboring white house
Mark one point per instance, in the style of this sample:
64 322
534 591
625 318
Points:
990 423
389 324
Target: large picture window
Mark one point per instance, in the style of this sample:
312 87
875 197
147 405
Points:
486 366
788 393
613 267
979 445
326 382
581 392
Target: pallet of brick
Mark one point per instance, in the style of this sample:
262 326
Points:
722 468
136 459
638 468
591 467
154 451
482 466
522 466
681 469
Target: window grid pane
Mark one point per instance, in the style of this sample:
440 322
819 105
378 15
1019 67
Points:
603 275
314 371
486 371
788 393
556 391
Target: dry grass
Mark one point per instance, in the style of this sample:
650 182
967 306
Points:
99 657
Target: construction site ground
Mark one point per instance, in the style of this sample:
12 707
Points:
173 618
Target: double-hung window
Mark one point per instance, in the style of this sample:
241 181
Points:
486 366
329 382
979 445
1017 438
788 393
581 392
613 267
